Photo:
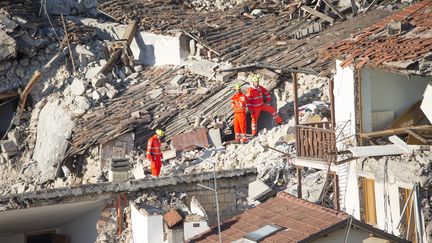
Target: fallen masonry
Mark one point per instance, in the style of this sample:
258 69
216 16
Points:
85 84
137 201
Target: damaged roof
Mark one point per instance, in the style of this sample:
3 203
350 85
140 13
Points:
302 221
275 39
401 42
156 102
272 40
143 107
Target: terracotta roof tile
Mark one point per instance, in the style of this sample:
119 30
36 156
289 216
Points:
172 217
299 217
374 47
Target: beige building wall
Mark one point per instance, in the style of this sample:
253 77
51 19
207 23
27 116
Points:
355 236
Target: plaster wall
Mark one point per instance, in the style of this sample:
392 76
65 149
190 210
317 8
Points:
388 208
147 48
385 91
352 200
82 229
146 228
18 238
190 230
344 100
355 236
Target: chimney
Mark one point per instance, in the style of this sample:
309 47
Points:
175 229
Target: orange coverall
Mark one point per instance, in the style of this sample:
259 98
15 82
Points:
239 104
256 98
154 154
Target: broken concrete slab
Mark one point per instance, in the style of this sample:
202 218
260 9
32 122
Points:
203 67
156 93
99 80
257 189
77 87
138 171
92 72
84 56
215 137
9 147
177 80
8 47
202 91
268 73
54 128
169 154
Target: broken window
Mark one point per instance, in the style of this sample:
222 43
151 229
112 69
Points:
367 200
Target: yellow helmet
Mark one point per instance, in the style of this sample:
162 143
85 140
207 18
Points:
237 86
160 132
256 78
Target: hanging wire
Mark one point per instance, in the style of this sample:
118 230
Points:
6 102
43 7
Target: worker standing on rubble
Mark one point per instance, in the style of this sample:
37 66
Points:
259 100
239 105
154 153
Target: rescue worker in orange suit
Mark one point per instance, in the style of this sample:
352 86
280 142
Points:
239 105
259 100
154 153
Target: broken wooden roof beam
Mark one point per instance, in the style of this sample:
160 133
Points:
317 14
128 35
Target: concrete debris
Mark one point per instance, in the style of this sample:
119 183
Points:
8 147
77 87
254 155
53 131
8 47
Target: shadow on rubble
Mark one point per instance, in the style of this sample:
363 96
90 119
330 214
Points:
7 112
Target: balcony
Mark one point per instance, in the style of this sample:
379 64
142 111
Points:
316 141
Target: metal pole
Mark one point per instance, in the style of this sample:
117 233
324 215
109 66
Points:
217 203
294 76
216 195
348 229
299 182
332 104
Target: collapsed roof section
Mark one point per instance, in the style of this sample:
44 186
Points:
168 97
276 39
401 42
145 106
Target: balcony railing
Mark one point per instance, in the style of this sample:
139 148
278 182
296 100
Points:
316 141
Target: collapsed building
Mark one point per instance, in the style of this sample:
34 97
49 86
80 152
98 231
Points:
379 154
85 106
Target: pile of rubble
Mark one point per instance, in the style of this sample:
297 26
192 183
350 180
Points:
209 5
83 104
313 94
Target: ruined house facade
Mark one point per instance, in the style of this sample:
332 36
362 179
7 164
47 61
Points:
380 129
124 211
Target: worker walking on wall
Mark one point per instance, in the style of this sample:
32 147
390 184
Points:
239 105
154 153
259 100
